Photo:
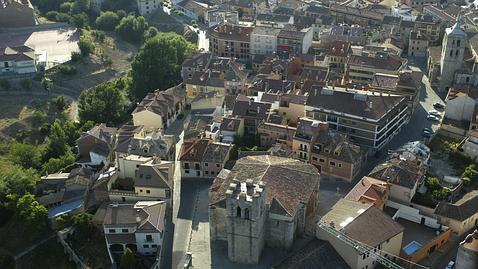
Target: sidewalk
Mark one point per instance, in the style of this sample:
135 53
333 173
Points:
200 243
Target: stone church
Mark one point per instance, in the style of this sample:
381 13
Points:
456 61
262 201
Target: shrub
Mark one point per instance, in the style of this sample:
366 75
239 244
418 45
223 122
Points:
26 84
66 69
86 45
75 56
52 15
5 84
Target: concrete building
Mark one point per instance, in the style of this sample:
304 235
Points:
452 54
467 256
470 147
264 40
16 13
17 60
146 7
294 41
419 3
355 15
364 223
272 133
95 146
369 119
329 151
202 158
274 20
404 176
139 227
417 45
251 111
361 68
429 27
228 40
460 105
263 201
460 216
158 110
193 9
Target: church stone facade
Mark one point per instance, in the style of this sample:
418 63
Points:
264 201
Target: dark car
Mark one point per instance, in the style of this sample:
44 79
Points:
438 106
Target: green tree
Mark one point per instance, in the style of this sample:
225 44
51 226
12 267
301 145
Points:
470 175
433 184
66 7
128 260
84 226
107 21
26 84
86 45
105 103
25 155
56 143
61 103
441 194
158 63
54 165
132 28
31 212
80 20
17 181
80 6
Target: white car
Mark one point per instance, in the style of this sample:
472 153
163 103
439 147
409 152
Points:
450 265
433 118
434 113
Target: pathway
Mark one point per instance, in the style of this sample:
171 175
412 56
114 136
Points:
31 248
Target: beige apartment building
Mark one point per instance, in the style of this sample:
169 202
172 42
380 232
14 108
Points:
228 40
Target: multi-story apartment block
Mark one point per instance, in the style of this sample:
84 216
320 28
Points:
329 151
355 15
361 68
294 41
264 40
417 45
139 227
146 7
370 119
274 20
228 40
430 28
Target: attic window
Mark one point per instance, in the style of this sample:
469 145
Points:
148 176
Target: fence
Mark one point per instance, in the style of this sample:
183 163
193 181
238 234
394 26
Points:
62 235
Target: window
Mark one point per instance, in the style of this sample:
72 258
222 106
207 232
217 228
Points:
314 158
112 231
238 212
148 191
332 163
458 43
186 171
212 173
340 165
124 230
140 190
218 165
154 246
149 238
145 246
186 165
206 164
246 213
322 160
196 166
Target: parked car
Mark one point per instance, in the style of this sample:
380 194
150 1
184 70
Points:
438 105
433 118
426 133
450 265
434 113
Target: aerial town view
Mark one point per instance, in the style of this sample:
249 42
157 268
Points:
238 134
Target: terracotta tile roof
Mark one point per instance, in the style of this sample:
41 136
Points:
373 227
327 98
158 102
317 254
290 182
339 48
193 151
244 107
461 210
147 216
369 190
217 152
399 172
153 175
379 61
231 32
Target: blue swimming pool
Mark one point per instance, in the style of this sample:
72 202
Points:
412 247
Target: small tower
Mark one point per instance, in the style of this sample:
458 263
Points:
246 215
453 50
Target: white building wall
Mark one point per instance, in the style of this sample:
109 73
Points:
146 7
146 247
460 108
